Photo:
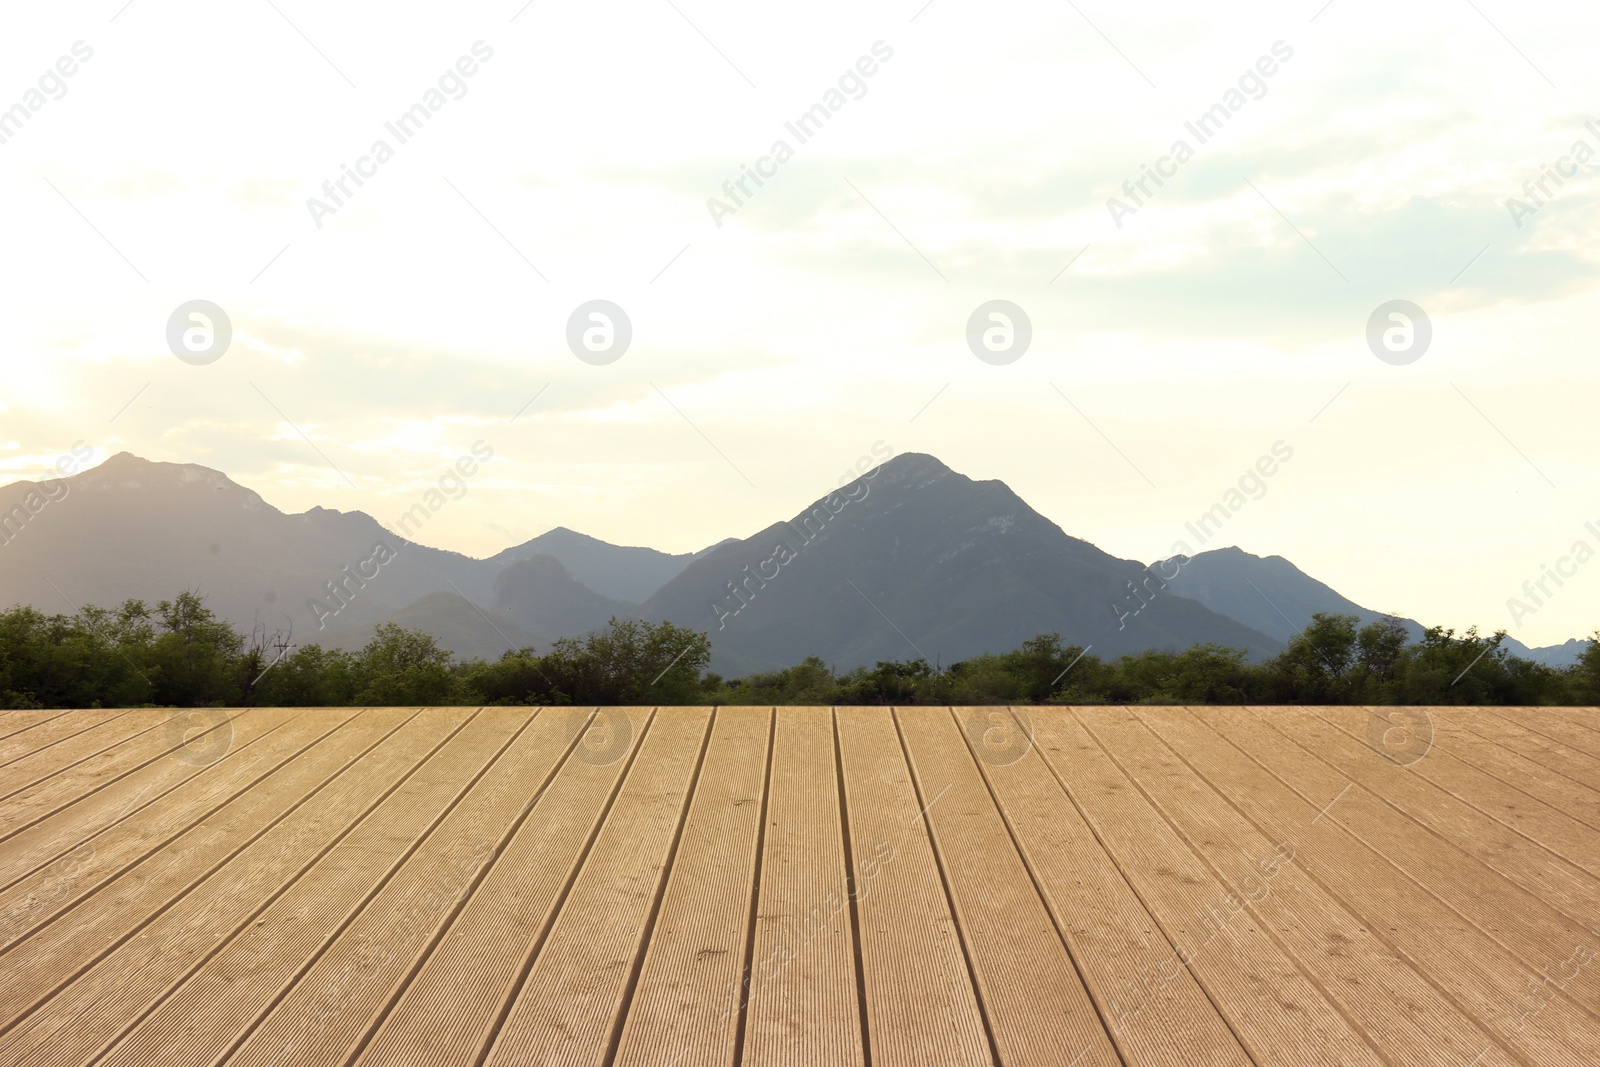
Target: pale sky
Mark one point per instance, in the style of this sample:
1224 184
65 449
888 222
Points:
770 353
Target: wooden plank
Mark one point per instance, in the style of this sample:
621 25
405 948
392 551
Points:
570 1008
1542 873
1534 747
202 1020
1028 983
102 1003
1355 956
40 765
1584 716
1578 727
1095 908
40 827
449 1011
1281 1010
1518 919
103 768
88 864
1471 969
55 730
326 1015
529 901
686 1005
921 1004
803 1005
127 892
16 720
1533 819
1516 770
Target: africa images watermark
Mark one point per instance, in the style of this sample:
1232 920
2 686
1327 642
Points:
404 127
802 129
47 492
820 916
452 485
369 956
1538 191
52 85
342 592
741 591
1544 992
1252 482
1538 591
1153 981
60 881
1209 123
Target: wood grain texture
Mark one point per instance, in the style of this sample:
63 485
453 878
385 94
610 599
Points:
37 766
568 1010
1281 1010
95 1009
922 1006
1357 957
206 1016
800 887
1030 986
1545 873
1468 967
452 1009
1097 910
1523 924
686 1005
802 1001
44 821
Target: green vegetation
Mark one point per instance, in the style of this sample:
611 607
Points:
179 654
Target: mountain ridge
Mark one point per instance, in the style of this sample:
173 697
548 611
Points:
910 559
992 577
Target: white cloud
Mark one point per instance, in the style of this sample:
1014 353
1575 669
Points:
415 320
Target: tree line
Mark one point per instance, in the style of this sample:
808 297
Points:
179 654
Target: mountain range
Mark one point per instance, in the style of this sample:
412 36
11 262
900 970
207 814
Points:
912 560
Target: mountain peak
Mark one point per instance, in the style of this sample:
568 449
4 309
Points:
128 471
620 572
126 460
914 466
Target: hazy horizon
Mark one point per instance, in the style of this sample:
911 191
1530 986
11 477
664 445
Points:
1178 334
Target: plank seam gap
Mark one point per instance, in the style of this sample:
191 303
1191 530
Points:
41 722
1512 785
1588 728
131 864
755 894
1488 1029
1384 858
388 876
112 781
643 949
1116 864
443 930
289 882
850 894
131 811
1491 816
1304 968
492 1035
1582 924
944 883
1094 998
1580 783
63 740
87 758
1272 934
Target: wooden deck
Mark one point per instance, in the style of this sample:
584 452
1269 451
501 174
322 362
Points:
806 887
